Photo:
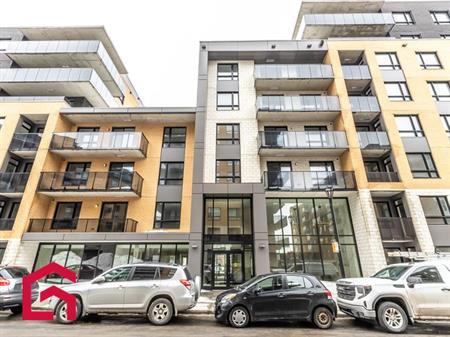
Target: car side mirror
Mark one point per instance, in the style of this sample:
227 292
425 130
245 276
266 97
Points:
257 291
98 280
413 280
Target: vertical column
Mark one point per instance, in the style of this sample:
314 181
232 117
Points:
261 238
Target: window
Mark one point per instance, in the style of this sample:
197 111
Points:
174 137
445 36
422 165
167 215
232 216
446 122
436 209
144 273
388 61
298 282
397 91
429 60
270 284
2 121
410 36
228 171
440 17
227 134
171 173
166 273
227 101
428 275
403 18
227 72
66 215
117 275
408 126
214 212
440 91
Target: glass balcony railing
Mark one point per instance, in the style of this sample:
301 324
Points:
396 229
308 180
100 141
6 224
378 177
356 72
13 182
113 181
293 71
102 225
303 139
25 142
364 104
373 140
298 103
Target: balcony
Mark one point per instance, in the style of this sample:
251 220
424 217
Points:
365 108
13 184
324 26
396 229
381 177
284 143
25 145
101 225
6 224
297 108
357 77
91 184
131 145
308 180
374 143
293 76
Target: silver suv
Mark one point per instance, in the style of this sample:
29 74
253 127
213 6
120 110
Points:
158 291
11 288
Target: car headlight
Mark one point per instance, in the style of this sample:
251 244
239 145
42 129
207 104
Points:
228 298
363 291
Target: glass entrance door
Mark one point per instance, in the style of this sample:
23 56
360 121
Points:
227 269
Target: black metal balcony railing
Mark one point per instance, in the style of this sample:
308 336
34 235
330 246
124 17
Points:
6 224
113 181
375 177
396 229
298 103
303 139
13 182
308 180
373 140
100 141
83 225
25 142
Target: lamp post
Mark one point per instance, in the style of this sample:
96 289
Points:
330 192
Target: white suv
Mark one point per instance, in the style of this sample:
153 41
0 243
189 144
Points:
399 294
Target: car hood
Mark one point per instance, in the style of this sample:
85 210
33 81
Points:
74 287
364 281
229 291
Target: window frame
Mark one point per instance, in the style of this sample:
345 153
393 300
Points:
440 200
162 180
407 15
170 143
436 20
234 140
424 65
159 224
424 268
435 95
228 107
234 178
446 123
429 171
410 36
404 90
418 132
394 63
233 75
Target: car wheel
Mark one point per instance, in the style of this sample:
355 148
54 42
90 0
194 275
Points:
323 318
16 310
160 311
238 317
392 317
61 312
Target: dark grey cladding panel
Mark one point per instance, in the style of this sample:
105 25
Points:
228 151
440 235
169 193
243 189
393 76
197 213
415 144
172 154
227 86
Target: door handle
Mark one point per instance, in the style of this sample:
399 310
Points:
281 295
154 286
445 289
120 287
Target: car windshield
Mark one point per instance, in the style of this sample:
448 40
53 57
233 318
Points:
249 282
392 273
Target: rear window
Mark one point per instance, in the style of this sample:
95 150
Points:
13 272
144 273
187 273
166 273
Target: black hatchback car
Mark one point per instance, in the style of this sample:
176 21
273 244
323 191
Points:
287 296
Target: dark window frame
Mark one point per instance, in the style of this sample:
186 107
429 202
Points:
231 107
417 132
232 75
159 224
410 36
423 63
235 177
405 96
163 179
440 200
407 15
170 143
234 140
446 123
435 95
394 63
436 20
431 173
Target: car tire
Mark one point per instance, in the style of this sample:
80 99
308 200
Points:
160 311
61 312
392 317
16 310
323 318
238 317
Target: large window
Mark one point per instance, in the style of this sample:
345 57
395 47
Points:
409 126
429 60
388 61
398 91
227 134
440 91
167 215
446 123
422 165
228 171
227 101
302 236
231 216
66 215
171 173
436 209
227 72
174 137
403 18
440 17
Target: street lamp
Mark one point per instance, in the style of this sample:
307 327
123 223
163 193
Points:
330 192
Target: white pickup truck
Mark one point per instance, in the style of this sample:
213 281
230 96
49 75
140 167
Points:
399 294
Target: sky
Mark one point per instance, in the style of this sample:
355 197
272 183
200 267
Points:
158 39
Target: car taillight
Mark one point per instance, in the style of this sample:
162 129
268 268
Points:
186 283
3 282
329 294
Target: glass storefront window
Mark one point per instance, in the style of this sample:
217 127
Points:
121 255
232 216
153 253
137 253
289 217
323 216
307 218
168 253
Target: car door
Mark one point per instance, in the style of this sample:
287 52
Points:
426 297
144 283
108 296
299 295
267 298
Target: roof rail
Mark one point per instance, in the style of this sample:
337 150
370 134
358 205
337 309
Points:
419 256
